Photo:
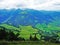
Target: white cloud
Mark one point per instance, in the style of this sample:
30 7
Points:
30 4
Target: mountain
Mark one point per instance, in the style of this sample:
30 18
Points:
31 17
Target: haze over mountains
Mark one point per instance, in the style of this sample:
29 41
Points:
32 17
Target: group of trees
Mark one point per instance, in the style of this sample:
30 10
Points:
16 36
49 32
9 36
28 33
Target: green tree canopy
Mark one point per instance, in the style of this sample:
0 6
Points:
26 31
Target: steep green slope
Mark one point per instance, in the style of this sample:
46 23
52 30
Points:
9 26
48 27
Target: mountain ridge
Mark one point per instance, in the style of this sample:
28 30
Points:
28 17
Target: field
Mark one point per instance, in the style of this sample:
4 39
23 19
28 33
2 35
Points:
26 43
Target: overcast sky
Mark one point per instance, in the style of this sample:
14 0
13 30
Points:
30 4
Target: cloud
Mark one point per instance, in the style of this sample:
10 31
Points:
30 4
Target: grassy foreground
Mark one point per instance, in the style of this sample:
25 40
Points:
26 43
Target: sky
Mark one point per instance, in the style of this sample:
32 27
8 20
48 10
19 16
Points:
30 4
